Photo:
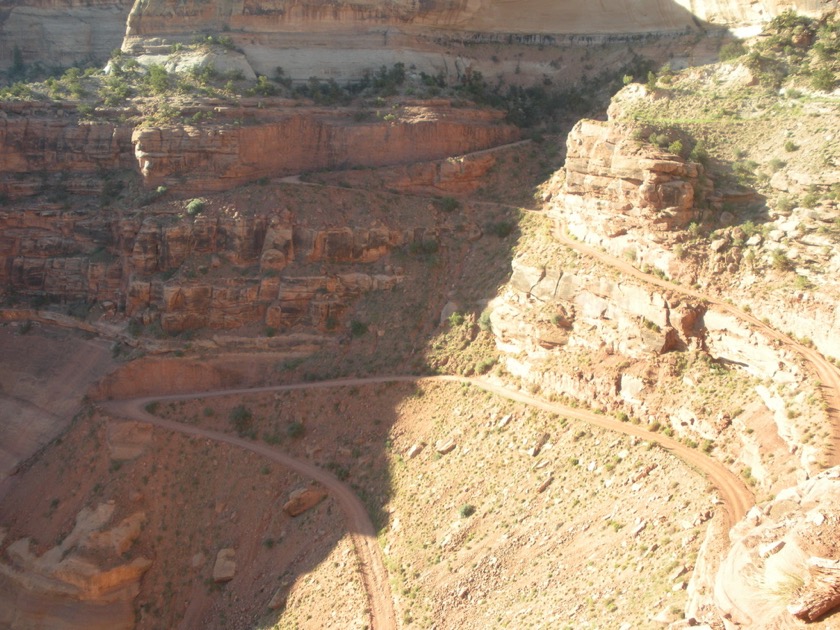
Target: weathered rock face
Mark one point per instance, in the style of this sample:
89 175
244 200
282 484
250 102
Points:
551 322
623 196
783 563
43 146
218 156
490 16
127 260
341 39
236 269
86 581
47 146
303 499
61 32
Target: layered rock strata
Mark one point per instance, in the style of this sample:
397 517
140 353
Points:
216 271
43 146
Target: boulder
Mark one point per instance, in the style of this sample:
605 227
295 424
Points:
225 567
303 499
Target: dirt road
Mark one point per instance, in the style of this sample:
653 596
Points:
360 527
736 498
828 374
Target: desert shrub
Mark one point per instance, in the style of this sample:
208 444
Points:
791 146
502 229
295 429
456 319
467 510
157 79
423 248
676 147
263 87
484 322
732 50
699 153
824 79
776 164
780 261
357 328
785 203
195 206
483 366
448 204
241 418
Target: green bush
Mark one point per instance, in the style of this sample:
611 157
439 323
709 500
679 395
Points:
502 229
484 366
456 319
241 418
732 50
676 147
357 328
448 204
467 510
484 322
157 79
195 206
699 153
295 430
824 80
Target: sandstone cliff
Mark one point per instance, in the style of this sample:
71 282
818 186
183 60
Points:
219 156
61 33
341 39
45 146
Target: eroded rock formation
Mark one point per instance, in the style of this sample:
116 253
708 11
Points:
782 566
85 581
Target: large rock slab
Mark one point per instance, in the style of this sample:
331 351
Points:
224 569
303 499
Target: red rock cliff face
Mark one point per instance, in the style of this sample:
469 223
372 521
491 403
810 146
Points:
224 268
38 141
218 156
219 270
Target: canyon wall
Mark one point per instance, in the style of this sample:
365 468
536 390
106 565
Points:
215 270
60 33
638 202
340 39
217 156
43 143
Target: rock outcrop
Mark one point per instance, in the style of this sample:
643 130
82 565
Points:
782 566
624 195
46 147
220 155
303 499
61 33
236 269
85 581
